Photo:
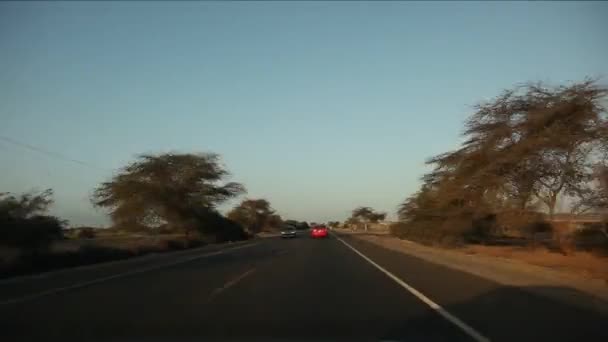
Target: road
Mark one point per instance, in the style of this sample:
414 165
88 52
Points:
296 289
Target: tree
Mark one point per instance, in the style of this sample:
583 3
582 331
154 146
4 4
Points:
367 215
334 224
541 140
531 144
24 222
25 205
255 215
274 221
180 190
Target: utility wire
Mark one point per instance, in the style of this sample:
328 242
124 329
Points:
55 155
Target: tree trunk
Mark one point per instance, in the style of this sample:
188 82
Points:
551 204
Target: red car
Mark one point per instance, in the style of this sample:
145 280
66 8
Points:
319 232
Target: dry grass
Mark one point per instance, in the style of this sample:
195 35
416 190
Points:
77 252
121 241
575 264
583 263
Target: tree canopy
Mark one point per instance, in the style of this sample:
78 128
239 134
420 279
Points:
255 215
180 190
367 214
522 151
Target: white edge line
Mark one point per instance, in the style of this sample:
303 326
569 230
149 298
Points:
444 313
134 260
115 276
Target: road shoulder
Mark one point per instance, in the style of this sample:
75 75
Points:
67 279
540 280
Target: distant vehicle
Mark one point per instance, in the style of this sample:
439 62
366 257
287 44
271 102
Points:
319 232
288 232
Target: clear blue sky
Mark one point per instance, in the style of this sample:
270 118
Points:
318 107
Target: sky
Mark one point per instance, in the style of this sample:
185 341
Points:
318 107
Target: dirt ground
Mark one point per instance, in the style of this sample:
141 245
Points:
539 271
580 263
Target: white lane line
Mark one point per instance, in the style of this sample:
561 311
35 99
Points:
477 336
115 276
230 284
42 275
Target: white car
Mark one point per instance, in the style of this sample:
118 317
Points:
288 232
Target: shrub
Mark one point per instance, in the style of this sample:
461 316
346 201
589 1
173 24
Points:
428 233
592 238
217 228
36 232
399 229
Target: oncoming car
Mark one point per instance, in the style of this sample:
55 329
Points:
319 232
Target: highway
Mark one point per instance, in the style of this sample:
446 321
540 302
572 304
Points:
296 289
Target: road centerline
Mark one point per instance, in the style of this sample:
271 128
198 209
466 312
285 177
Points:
470 331
230 283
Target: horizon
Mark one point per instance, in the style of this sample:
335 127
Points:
317 107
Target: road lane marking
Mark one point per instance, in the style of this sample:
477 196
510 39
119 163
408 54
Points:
52 273
230 284
116 276
477 336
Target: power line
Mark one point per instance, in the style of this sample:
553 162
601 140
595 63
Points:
55 155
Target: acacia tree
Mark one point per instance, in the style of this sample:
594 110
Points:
366 215
180 190
530 144
255 215
541 139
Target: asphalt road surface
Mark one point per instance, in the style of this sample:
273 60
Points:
295 289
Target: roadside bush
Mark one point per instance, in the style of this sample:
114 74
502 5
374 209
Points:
592 238
217 228
32 233
399 229
482 229
427 234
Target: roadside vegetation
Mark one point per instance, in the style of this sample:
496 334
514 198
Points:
525 151
256 215
299 225
362 217
24 221
157 203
